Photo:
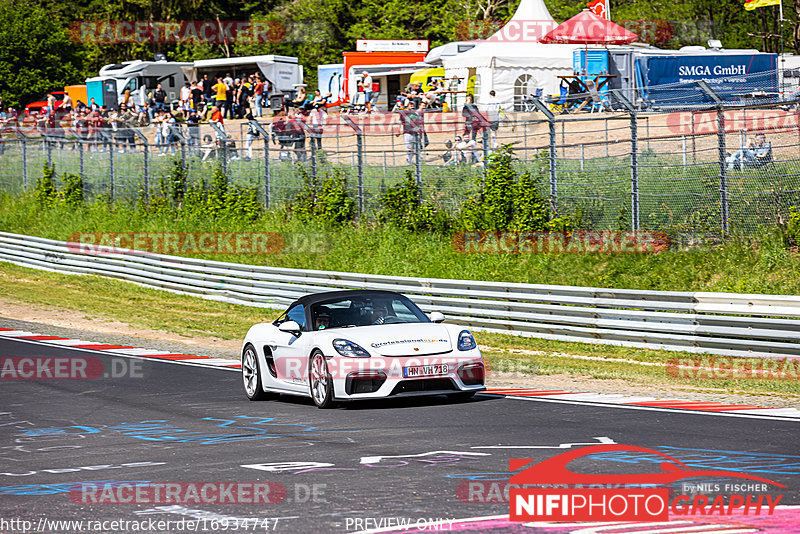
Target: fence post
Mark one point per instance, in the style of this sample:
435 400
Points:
24 139
723 164
634 158
485 153
146 158
360 147
48 147
267 171
178 132
80 156
418 158
551 160
111 167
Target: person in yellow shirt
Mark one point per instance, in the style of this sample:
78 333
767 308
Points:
221 90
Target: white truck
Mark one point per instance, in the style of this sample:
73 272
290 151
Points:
283 73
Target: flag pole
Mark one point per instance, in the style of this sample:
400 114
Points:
608 10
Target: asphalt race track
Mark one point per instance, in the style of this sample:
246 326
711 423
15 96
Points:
357 467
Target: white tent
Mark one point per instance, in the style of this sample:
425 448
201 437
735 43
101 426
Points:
512 62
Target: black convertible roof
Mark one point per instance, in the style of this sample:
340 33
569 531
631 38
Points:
314 298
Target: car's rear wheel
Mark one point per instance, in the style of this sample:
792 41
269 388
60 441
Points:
251 375
320 381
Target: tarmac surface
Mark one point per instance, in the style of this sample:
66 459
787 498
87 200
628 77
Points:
72 449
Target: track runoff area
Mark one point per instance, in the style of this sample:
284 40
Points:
108 438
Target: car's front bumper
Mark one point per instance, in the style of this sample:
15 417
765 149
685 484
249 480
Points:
381 377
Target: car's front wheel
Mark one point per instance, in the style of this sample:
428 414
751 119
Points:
320 381
251 375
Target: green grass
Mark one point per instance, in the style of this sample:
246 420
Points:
190 316
739 265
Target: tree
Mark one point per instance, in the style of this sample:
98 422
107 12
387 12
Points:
36 54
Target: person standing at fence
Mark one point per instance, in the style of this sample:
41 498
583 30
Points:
186 97
197 96
470 114
66 104
51 104
366 87
160 96
494 114
295 128
126 121
244 99
318 116
218 119
193 128
411 128
228 81
220 98
281 136
258 96
251 135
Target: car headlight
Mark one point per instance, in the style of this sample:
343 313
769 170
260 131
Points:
466 341
349 349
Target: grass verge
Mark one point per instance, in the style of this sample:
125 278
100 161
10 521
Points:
744 265
106 299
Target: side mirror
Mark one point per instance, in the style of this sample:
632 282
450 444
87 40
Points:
290 327
437 317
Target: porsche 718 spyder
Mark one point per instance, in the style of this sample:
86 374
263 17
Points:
362 344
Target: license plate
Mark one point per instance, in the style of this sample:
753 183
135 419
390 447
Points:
425 370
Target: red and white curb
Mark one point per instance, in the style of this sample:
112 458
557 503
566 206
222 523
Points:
570 397
122 350
645 402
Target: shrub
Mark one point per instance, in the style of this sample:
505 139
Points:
45 192
403 206
508 201
327 201
72 195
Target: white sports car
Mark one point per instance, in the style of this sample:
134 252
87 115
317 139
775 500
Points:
349 345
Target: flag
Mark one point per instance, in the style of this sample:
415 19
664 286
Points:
598 7
750 5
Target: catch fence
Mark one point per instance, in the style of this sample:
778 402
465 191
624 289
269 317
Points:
657 168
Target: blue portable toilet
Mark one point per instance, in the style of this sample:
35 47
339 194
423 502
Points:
94 89
590 63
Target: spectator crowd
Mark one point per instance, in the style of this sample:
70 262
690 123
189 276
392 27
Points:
216 99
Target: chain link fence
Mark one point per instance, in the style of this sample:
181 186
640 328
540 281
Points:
623 166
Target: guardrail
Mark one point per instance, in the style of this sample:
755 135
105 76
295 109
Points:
728 324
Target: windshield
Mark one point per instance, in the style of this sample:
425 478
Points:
365 310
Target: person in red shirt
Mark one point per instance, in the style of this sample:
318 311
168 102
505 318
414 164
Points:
258 95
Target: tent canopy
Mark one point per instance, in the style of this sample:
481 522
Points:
587 28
